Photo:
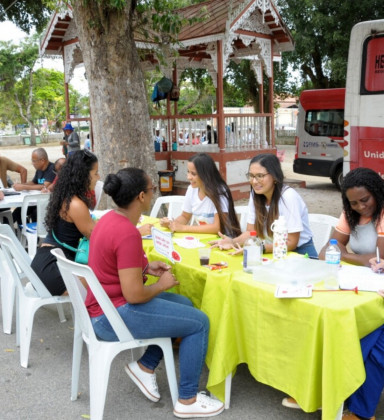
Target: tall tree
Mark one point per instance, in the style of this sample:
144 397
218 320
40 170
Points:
321 30
120 117
16 78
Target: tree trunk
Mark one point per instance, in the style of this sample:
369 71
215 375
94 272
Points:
120 118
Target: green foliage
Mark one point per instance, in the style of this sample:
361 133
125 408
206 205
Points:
26 14
321 30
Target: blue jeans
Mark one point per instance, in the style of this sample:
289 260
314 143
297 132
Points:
365 399
307 248
166 315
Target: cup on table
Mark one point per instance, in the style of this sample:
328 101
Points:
204 254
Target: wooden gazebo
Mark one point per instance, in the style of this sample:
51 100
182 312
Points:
233 30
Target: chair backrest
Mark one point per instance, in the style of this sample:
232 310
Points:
98 192
41 202
16 259
321 226
242 214
8 231
174 202
71 271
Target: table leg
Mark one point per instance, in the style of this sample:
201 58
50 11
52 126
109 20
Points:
228 385
339 414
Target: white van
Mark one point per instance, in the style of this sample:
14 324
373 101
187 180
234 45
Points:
320 134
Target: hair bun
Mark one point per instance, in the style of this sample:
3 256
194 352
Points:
112 184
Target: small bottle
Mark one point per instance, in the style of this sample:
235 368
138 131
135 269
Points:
252 252
280 238
332 258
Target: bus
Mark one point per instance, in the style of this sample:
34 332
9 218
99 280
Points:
342 129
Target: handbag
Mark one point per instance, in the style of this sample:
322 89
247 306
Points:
81 251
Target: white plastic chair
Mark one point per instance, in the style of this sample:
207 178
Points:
29 298
98 192
242 213
321 226
101 353
31 232
174 202
8 286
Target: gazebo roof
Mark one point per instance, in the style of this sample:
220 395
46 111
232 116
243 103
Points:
250 29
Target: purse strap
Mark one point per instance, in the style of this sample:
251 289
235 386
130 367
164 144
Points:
71 248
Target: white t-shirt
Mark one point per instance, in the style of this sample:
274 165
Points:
295 211
203 210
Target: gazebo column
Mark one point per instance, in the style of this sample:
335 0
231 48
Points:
66 91
220 98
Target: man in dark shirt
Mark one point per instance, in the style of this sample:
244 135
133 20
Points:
44 175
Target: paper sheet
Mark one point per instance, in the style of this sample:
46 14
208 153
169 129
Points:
291 291
351 276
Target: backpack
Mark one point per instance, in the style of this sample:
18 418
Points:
161 89
175 93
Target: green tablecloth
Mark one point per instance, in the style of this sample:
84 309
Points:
308 348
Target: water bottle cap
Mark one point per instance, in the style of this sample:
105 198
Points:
253 233
333 241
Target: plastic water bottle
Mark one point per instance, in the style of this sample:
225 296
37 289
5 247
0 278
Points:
280 237
252 252
332 258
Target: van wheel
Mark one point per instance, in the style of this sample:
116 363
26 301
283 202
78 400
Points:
338 178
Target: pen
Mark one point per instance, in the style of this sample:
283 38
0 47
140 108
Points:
378 259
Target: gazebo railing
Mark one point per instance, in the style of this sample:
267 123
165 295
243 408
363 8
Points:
189 133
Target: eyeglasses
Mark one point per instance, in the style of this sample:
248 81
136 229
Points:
153 188
258 177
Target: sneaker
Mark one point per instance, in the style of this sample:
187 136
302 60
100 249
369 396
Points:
290 403
204 406
145 381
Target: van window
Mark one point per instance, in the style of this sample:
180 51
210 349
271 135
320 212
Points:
325 122
372 72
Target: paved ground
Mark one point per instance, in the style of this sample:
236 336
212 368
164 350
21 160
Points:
42 392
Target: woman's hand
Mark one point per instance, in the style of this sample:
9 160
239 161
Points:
167 280
381 293
176 226
224 243
157 268
145 229
1 195
238 249
164 222
377 267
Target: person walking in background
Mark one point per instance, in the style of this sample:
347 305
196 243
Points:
208 200
119 262
71 141
9 165
87 143
268 200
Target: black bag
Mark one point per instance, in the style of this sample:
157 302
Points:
161 89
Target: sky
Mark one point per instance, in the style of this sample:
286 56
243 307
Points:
10 32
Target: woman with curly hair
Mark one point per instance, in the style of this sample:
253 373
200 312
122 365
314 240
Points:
269 199
208 200
361 225
68 218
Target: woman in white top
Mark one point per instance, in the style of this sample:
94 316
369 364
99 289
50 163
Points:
208 200
269 199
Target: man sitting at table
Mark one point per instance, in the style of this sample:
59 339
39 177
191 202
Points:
9 165
44 176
